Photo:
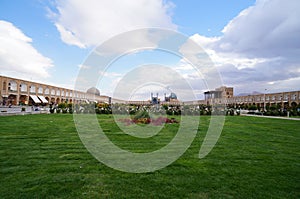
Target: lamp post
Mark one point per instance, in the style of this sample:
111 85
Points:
265 100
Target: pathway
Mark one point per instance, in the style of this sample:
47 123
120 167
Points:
275 117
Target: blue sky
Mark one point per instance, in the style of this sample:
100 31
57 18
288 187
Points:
254 44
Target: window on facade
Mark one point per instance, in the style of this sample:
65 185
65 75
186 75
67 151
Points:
12 86
40 90
58 92
47 91
23 87
32 89
62 93
52 92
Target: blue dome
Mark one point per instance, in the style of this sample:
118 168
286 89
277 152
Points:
173 96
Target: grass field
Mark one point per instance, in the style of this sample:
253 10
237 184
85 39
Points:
41 156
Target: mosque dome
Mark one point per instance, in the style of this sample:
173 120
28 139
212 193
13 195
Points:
173 96
93 91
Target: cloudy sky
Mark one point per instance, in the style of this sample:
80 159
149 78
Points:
255 45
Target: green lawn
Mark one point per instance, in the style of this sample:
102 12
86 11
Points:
41 156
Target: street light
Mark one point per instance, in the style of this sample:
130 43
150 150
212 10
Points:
265 99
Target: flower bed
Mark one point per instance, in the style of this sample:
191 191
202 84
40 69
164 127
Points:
156 121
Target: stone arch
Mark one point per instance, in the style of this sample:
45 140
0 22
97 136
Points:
47 91
23 87
286 105
32 88
52 100
23 100
294 104
53 92
12 99
40 90
12 85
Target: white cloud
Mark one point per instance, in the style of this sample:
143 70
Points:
87 23
84 67
18 58
259 46
269 28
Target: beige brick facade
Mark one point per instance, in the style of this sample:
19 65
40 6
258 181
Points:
21 92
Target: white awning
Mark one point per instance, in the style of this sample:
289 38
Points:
35 99
43 99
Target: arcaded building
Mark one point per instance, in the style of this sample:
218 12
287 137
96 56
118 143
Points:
225 95
15 91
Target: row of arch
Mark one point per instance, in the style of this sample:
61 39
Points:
14 99
32 88
291 104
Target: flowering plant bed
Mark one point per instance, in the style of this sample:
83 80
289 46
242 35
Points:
145 120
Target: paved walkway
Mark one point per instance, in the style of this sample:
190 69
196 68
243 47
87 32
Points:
275 117
17 110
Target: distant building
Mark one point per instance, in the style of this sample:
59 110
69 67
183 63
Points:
220 93
171 98
225 95
155 99
15 91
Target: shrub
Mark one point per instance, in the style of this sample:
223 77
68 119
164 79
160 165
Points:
268 113
283 113
208 112
275 113
141 114
132 111
169 112
76 108
201 112
252 107
62 105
